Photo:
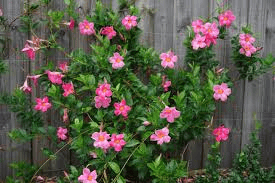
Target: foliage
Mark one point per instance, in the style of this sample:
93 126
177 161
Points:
137 84
23 172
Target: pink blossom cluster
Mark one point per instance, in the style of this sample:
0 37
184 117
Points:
88 176
205 34
68 89
168 59
226 18
122 109
55 77
117 61
129 22
221 133
221 92
104 141
108 31
246 41
104 93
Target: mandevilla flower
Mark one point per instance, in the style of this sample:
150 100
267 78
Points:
221 92
26 88
61 133
35 79
68 89
221 133
86 28
117 61
117 142
30 51
166 85
88 176
197 25
70 24
42 104
146 123
129 22
226 18
211 32
246 38
55 77
101 140
168 59
198 42
93 154
247 49
170 113
65 115
122 108
63 66
101 101
108 31
161 136
104 90
1 12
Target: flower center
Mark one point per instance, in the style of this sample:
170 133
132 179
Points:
129 21
225 18
220 91
104 90
117 141
209 30
246 48
168 59
90 177
43 104
247 39
118 60
87 27
168 111
101 138
160 135
121 108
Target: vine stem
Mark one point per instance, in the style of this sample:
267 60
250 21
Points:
56 153
129 158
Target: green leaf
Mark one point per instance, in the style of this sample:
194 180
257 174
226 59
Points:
67 2
121 179
132 143
114 166
93 125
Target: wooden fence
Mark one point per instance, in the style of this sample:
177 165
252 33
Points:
164 29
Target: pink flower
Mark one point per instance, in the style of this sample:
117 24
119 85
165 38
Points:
108 31
70 24
117 142
55 77
146 123
30 51
226 18
247 49
166 85
104 90
101 101
86 28
129 22
161 136
221 133
68 89
26 88
42 104
122 108
1 12
61 133
101 140
198 42
63 66
221 92
117 61
87 176
168 59
93 155
35 79
197 25
210 29
246 38
65 115
35 42
170 113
